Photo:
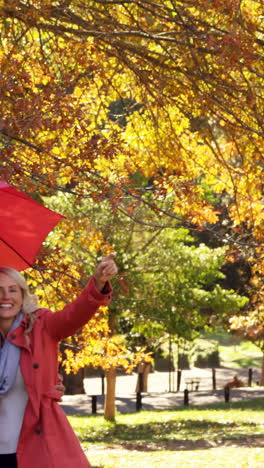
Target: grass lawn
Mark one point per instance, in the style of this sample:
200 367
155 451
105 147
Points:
229 436
236 352
244 354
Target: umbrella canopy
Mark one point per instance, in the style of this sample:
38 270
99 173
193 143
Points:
24 224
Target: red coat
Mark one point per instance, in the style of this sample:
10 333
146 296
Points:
47 439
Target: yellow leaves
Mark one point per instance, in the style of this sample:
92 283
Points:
67 363
78 92
96 347
252 14
251 212
76 85
193 124
201 214
56 151
117 164
251 325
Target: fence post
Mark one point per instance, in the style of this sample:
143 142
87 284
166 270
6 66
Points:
179 372
213 379
227 394
94 404
103 383
250 372
139 401
186 397
139 396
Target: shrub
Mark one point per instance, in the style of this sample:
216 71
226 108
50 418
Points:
205 353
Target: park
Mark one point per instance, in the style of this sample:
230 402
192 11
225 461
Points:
138 125
209 431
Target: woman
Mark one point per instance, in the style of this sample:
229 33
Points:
34 431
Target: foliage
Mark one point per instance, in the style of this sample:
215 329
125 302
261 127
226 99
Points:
100 350
205 353
189 70
250 326
182 278
138 104
185 295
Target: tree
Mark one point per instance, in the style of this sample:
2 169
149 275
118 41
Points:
92 232
251 328
166 285
191 148
186 297
194 70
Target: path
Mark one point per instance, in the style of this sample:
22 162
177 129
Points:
158 396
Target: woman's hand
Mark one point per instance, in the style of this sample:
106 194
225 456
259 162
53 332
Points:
59 386
105 271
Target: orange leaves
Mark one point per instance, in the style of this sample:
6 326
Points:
250 326
58 91
232 47
233 254
196 212
221 5
193 135
97 348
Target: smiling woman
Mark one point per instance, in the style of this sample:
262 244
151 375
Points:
11 300
34 430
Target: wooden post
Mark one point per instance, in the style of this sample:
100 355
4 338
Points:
94 404
170 364
250 373
179 372
103 383
139 396
186 397
139 402
140 376
227 394
213 379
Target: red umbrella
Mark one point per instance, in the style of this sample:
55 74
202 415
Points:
24 224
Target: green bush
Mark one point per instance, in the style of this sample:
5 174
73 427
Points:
183 361
205 353
163 364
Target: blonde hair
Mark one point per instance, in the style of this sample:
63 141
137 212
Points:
30 301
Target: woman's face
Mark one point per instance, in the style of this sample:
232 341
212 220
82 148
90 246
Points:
11 300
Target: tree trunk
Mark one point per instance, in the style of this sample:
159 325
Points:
144 369
73 382
262 371
109 407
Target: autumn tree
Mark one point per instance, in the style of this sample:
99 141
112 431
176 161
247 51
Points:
84 238
140 104
250 326
193 72
166 284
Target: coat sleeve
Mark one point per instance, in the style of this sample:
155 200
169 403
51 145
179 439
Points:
73 316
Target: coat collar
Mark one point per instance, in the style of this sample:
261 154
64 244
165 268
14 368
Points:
17 336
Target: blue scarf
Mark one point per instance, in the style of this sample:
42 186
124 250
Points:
9 360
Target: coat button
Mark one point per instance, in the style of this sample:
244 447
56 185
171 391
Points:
36 365
12 336
38 431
